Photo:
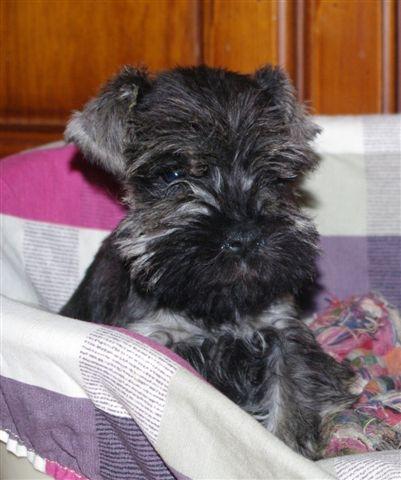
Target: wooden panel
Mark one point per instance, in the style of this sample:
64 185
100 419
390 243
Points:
57 53
19 138
389 56
398 53
341 54
287 36
291 24
344 59
240 34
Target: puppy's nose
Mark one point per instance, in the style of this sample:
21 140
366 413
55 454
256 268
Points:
242 238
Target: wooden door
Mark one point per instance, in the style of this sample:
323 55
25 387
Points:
342 55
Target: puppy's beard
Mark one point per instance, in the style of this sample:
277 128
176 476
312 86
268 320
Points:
174 252
142 234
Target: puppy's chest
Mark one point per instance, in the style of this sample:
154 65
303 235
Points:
168 328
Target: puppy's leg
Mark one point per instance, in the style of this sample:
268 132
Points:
309 386
281 377
236 365
106 294
314 387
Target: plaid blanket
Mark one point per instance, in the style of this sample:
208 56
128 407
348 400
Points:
86 401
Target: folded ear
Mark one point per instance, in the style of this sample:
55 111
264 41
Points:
100 129
275 82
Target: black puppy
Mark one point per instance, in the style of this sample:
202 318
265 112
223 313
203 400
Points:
214 244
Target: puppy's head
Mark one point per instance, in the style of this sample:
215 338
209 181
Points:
210 161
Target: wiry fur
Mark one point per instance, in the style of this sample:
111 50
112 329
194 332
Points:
214 244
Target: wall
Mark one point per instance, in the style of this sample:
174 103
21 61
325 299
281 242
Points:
343 55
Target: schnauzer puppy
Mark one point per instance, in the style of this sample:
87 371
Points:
214 245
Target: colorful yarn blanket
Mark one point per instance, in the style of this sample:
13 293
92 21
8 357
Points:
366 331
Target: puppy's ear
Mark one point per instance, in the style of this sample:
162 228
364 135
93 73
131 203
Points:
275 82
100 129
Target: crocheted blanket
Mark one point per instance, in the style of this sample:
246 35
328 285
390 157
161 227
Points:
365 331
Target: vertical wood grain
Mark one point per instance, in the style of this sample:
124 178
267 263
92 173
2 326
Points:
345 70
287 43
388 63
240 34
398 60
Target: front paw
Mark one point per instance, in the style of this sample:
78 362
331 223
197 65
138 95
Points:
241 366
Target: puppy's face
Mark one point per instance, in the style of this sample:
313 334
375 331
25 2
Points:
210 161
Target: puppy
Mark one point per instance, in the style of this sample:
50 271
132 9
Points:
214 246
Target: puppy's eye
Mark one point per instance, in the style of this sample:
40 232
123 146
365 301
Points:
170 176
283 181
